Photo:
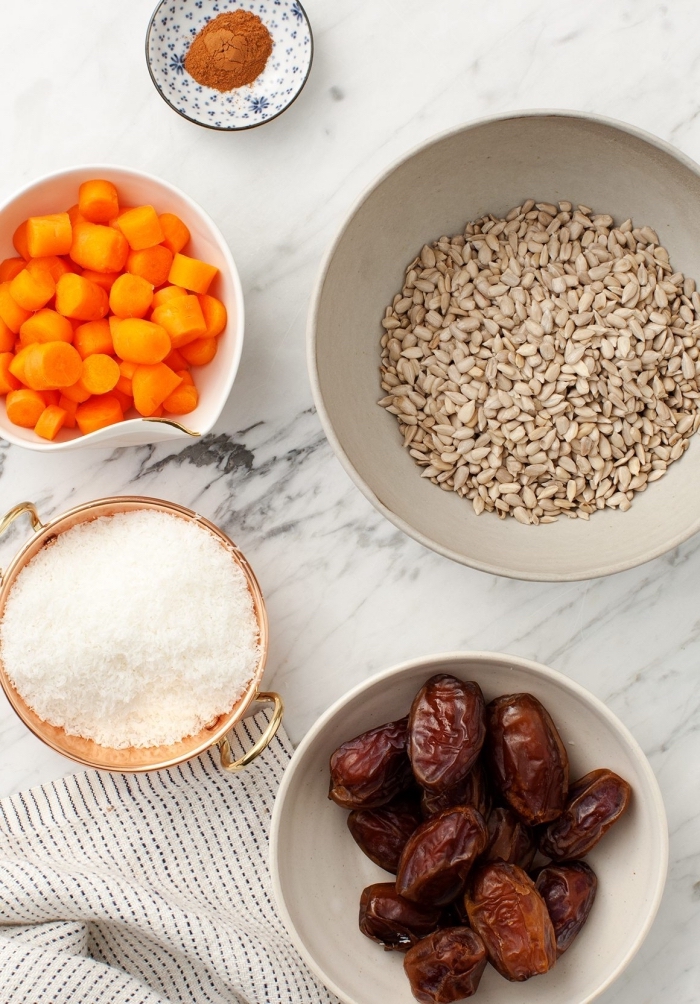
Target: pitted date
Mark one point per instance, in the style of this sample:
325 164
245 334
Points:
472 790
392 921
527 758
510 840
437 858
372 768
511 918
568 890
446 966
446 731
595 802
382 833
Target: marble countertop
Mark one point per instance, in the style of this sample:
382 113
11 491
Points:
348 594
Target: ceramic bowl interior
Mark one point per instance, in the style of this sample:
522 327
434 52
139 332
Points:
319 872
490 167
132 759
58 192
174 25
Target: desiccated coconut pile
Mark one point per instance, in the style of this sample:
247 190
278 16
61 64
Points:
133 630
544 363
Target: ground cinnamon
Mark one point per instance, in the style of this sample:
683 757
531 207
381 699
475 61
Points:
229 51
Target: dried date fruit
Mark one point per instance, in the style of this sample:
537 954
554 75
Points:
446 731
568 890
392 921
527 759
382 833
437 858
510 840
446 966
472 790
372 768
595 802
511 918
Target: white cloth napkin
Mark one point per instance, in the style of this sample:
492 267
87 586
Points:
147 889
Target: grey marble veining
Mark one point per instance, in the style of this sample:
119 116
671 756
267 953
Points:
348 594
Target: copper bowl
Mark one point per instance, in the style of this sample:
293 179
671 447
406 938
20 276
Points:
139 759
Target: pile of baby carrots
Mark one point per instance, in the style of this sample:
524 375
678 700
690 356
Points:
102 315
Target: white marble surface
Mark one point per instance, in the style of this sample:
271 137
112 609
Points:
349 595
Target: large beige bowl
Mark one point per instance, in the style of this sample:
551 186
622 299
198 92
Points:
492 166
319 872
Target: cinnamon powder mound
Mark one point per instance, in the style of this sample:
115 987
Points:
230 51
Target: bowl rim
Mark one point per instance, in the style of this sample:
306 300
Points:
126 172
456 657
207 125
606 567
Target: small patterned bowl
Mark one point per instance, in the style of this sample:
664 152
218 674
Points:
176 22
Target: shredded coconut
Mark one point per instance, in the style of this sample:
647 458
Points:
133 630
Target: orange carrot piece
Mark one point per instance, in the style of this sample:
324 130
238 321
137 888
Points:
45 326
201 352
70 408
191 273
139 341
11 313
152 385
126 371
175 233
10 267
51 421
92 337
100 373
182 318
19 241
183 399
152 264
176 361
77 392
75 216
130 296
104 279
55 266
7 338
8 382
32 290
98 201
125 400
166 294
99 248
79 298
49 235
214 314
47 365
24 407
140 226
97 413
51 396
125 386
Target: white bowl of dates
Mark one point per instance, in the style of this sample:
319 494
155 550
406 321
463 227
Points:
506 825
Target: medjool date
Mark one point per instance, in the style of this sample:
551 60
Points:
511 918
372 768
528 762
392 921
595 802
568 890
446 966
437 858
382 833
472 790
510 840
446 731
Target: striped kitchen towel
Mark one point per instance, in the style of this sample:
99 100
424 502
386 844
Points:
147 889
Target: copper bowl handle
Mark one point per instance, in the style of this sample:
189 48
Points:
227 762
16 511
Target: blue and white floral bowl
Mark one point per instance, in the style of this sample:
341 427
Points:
176 22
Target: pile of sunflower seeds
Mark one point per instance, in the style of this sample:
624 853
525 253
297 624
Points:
544 364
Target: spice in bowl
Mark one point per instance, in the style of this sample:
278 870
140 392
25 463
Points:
132 630
230 51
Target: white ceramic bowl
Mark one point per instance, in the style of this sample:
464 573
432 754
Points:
319 872
57 192
491 166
